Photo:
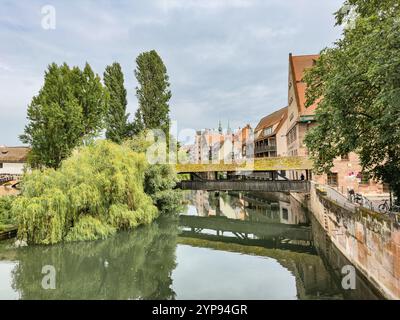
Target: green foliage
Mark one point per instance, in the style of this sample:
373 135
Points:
89 228
6 217
118 127
139 142
98 190
359 81
67 112
160 180
153 93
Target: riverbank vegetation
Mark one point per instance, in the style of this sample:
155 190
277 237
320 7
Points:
7 219
99 190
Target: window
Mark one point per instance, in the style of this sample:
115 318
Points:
267 131
1 165
285 214
364 178
345 157
386 188
272 142
332 179
292 135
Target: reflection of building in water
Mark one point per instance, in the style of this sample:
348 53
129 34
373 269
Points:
313 279
233 208
202 203
277 227
246 206
291 212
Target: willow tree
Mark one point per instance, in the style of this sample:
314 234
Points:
117 124
359 82
96 192
6 216
67 112
153 93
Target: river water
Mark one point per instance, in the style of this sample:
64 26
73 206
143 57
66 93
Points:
224 246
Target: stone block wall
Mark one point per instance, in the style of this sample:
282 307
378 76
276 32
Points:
370 241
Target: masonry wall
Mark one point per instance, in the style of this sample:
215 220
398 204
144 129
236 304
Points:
281 145
348 177
370 241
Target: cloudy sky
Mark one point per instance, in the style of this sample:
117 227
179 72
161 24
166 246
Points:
227 59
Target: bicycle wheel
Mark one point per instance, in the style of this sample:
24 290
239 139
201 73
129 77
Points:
382 208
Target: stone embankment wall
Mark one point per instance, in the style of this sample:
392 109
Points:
369 240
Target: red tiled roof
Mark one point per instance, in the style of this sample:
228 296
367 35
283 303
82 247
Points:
272 119
298 65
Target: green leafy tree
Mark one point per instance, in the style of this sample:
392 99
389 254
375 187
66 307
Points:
95 192
159 179
153 93
118 127
359 82
67 112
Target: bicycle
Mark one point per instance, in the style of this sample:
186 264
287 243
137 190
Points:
386 208
358 198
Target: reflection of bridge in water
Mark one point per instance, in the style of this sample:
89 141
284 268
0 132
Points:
274 226
270 235
270 225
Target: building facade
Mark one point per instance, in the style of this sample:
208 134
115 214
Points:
347 172
270 135
214 146
13 160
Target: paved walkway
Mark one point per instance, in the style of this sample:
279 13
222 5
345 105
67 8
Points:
339 198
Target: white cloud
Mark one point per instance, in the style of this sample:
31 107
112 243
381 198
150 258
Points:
227 59
5 67
167 5
264 33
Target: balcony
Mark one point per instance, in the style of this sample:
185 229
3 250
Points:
261 149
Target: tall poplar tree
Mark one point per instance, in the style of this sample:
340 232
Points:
153 93
67 112
117 118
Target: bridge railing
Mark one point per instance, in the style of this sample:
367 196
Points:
247 185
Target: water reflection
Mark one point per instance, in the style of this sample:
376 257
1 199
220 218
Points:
275 221
271 225
136 265
224 246
264 207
